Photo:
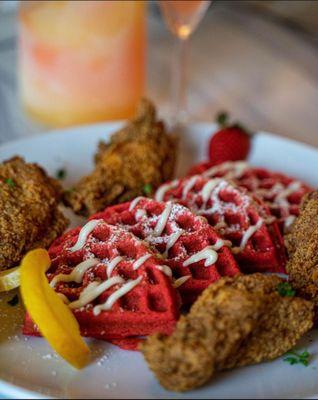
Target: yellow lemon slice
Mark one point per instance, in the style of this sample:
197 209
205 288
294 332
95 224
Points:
9 279
47 310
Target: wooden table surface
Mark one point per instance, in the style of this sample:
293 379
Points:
255 66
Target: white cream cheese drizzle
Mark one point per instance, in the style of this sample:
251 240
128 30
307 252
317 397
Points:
77 274
95 289
160 194
208 189
289 221
165 269
138 263
220 243
208 254
180 281
127 287
84 232
247 235
211 190
189 185
290 189
140 214
172 240
281 200
112 265
232 169
277 192
134 203
163 219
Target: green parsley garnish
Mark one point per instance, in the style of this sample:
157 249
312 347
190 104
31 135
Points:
14 301
61 174
147 189
285 290
10 182
296 358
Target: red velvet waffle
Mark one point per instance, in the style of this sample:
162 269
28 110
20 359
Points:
191 234
151 306
281 193
247 223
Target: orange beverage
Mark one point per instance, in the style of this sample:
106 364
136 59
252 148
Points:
81 61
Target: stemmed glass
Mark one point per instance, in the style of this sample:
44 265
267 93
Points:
182 18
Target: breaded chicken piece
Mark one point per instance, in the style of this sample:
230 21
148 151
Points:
304 225
140 154
29 214
303 270
302 245
282 322
219 321
235 322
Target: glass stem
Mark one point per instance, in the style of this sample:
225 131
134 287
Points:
180 82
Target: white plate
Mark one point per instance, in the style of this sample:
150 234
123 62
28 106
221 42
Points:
29 368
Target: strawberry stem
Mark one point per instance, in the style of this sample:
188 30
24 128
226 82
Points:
222 119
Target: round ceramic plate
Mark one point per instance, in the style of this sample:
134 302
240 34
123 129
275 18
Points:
30 368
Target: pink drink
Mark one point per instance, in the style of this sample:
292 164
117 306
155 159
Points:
183 16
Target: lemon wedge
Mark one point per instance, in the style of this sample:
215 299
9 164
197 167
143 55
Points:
47 310
9 279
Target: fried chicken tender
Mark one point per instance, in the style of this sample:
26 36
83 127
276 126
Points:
302 245
282 322
304 225
140 154
235 322
303 270
218 322
29 215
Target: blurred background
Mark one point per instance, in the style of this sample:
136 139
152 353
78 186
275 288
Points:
256 59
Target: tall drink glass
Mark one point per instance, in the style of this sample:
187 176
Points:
182 18
81 61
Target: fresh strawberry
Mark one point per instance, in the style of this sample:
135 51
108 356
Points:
230 143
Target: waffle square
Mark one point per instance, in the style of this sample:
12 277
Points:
281 193
246 222
190 247
113 283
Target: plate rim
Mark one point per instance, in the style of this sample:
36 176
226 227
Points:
60 131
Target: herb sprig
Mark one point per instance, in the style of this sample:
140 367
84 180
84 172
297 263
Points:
285 289
298 358
147 189
10 182
61 174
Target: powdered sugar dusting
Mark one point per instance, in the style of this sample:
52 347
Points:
274 189
94 287
219 200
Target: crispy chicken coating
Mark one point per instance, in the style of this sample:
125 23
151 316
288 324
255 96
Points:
218 322
140 154
235 322
302 244
282 322
303 270
29 215
304 225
